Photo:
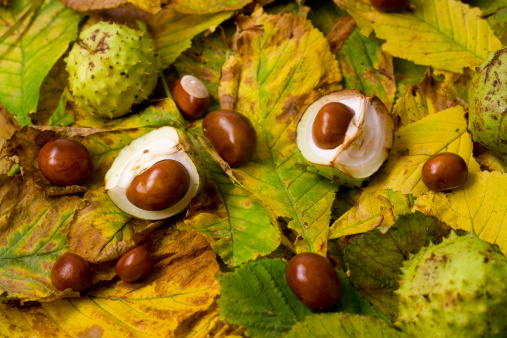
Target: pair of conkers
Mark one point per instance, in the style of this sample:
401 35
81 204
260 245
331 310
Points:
231 134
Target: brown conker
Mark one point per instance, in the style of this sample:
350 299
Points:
444 171
191 96
313 280
331 124
71 271
134 265
390 5
65 162
160 186
231 134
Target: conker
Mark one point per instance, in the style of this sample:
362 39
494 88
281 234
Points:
191 96
390 5
134 265
160 186
65 162
330 125
71 271
313 280
231 134
444 171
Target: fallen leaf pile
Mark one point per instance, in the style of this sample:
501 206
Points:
219 266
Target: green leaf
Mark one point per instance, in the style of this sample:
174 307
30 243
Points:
150 6
413 145
61 117
173 32
34 235
269 82
257 296
30 52
207 6
488 6
375 258
330 325
446 35
238 227
406 74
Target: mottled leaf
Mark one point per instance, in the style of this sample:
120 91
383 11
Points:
479 206
173 32
445 34
406 74
30 52
181 287
206 6
335 325
281 60
375 258
150 6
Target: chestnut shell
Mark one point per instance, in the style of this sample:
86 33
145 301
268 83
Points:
444 171
71 271
134 265
314 281
65 162
231 134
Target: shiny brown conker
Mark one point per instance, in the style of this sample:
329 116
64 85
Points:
160 186
134 265
444 171
191 96
330 125
313 280
65 162
231 134
71 271
390 5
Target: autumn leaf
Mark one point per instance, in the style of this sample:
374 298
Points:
281 60
173 32
150 6
445 34
413 145
181 287
45 36
206 6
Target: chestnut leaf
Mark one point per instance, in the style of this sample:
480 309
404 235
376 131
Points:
44 35
207 6
448 35
150 6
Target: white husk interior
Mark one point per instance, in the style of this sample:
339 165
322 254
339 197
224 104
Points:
161 144
367 140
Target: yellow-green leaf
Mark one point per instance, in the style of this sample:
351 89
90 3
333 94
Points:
478 205
28 54
444 34
281 60
413 145
150 6
173 32
207 6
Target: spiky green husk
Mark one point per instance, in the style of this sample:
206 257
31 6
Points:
111 68
487 120
457 288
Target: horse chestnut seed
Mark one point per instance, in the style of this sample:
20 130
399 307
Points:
191 96
231 134
331 124
313 280
71 271
65 162
160 186
444 171
390 5
134 265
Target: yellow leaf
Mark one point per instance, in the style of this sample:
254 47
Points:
150 6
480 204
444 34
413 145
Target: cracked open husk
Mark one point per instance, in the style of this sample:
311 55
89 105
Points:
368 139
165 143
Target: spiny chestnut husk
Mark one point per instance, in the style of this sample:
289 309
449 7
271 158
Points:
364 136
137 179
487 116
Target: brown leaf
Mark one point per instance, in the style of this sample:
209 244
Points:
340 32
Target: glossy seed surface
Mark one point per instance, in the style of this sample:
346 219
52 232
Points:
444 171
134 265
71 271
330 125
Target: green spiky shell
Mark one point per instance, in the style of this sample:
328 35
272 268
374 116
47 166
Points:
457 288
111 68
487 118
